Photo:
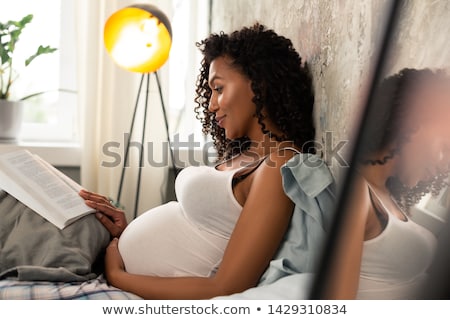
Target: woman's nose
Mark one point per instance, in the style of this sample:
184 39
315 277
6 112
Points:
213 106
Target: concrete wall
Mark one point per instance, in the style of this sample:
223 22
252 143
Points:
339 40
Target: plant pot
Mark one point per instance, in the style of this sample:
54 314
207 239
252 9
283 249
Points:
10 120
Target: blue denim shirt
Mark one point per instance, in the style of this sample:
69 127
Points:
309 183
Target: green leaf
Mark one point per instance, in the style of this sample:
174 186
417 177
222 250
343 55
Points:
40 50
25 20
15 35
19 24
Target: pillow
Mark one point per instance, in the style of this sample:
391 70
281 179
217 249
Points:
33 249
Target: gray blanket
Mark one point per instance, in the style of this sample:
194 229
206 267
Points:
33 249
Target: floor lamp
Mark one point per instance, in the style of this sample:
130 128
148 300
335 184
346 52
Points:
138 38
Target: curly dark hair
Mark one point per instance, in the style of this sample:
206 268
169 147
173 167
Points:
392 109
280 83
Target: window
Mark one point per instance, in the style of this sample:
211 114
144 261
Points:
51 116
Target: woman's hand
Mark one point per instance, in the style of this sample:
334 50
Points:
111 217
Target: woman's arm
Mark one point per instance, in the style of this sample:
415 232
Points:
343 279
254 241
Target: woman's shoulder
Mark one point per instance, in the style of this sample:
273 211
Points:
270 166
359 195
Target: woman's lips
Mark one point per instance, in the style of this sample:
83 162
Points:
219 120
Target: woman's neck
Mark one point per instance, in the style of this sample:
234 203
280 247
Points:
267 145
377 174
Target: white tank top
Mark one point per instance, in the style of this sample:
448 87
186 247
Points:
188 237
213 188
394 264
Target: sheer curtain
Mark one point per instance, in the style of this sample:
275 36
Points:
107 95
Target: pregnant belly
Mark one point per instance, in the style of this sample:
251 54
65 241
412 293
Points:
162 242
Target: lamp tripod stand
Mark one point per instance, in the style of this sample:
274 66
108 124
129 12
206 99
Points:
138 38
145 76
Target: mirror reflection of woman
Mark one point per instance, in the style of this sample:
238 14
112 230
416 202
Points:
384 254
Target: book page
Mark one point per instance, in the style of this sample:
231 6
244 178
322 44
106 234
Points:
55 196
72 184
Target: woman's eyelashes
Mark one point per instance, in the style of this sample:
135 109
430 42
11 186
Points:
218 89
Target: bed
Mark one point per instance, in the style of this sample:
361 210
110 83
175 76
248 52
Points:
68 265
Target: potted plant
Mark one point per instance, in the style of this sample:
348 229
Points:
11 110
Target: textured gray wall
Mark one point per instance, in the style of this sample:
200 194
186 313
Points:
339 40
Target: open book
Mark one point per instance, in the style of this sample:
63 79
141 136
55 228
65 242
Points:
42 188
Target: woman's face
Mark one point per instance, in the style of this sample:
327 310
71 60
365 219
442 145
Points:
428 150
231 99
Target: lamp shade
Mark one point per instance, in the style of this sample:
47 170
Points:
138 38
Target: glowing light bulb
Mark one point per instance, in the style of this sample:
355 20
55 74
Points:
137 40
